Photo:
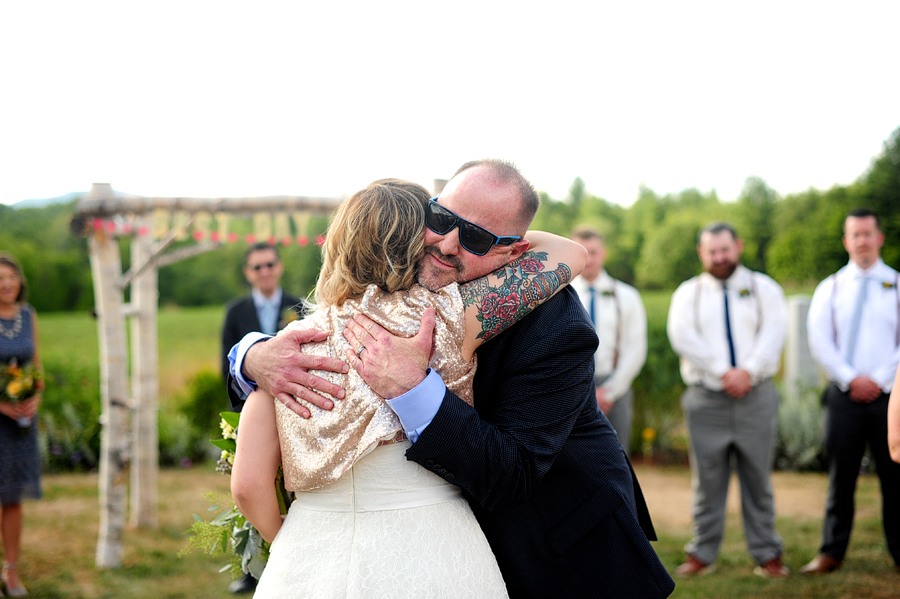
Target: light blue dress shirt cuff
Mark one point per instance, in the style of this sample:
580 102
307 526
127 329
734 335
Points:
417 407
236 361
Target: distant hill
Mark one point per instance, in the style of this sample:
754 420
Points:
40 203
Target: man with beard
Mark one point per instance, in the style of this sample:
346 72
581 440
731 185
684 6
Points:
728 327
543 471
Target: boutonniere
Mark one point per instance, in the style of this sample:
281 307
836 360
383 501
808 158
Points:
288 316
607 293
887 285
744 292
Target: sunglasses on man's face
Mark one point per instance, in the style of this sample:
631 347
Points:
473 238
259 267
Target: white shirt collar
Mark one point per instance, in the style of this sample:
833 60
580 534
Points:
261 300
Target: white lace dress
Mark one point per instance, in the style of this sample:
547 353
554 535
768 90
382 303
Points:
367 523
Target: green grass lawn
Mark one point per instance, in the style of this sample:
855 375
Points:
61 533
189 341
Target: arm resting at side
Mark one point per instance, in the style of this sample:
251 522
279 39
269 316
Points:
256 465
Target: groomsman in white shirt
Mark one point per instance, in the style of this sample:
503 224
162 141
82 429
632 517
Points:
854 334
619 318
728 326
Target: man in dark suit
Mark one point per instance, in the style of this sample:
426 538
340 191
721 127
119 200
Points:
267 309
543 471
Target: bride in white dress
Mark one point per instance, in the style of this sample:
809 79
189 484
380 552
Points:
366 522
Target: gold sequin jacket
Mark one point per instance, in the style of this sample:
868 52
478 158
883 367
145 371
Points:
319 450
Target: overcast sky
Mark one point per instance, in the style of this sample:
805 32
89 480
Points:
226 99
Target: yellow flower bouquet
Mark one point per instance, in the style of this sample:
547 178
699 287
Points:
18 383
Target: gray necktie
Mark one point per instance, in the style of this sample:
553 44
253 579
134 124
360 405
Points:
857 318
593 309
269 320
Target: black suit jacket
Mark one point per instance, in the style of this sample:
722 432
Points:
543 471
241 318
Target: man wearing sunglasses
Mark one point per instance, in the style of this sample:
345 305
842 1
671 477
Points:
543 471
265 308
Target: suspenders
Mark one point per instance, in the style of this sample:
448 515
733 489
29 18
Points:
618 303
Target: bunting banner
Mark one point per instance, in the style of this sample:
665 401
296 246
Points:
280 228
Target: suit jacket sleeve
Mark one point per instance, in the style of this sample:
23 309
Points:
536 383
231 334
240 319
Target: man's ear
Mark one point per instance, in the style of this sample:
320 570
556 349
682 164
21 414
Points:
518 248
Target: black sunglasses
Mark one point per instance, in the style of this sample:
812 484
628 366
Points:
475 239
259 267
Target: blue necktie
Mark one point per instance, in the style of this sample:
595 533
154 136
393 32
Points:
728 327
857 318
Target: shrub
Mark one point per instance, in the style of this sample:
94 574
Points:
205 398
185 433
658 388
69 435
177 439
798 441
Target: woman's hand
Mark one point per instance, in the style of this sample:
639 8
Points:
30 406
9 410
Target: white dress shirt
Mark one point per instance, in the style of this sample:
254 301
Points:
877 351
696 327
621 325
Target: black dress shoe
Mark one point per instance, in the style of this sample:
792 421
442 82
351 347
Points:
244 584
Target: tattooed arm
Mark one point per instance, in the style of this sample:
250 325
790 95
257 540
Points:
496 301
394 365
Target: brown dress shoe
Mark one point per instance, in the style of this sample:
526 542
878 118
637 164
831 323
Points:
693 567
821 564
772 569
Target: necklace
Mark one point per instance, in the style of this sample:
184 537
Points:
16 326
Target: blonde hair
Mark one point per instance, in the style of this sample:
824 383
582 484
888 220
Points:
376 237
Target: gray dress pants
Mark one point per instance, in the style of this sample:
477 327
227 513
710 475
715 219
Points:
727 433
621 417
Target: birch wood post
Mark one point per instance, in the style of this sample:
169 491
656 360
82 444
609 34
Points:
144 384
106 268
109 284
801 375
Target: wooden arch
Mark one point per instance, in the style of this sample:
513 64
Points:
130 407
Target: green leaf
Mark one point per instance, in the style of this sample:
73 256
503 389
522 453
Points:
226 444
232 418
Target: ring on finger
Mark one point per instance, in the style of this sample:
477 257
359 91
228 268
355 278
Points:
360 350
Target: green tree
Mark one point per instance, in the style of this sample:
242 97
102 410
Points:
754 215
669 255
880 192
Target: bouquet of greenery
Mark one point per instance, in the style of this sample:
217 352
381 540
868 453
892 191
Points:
18 383
250 551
